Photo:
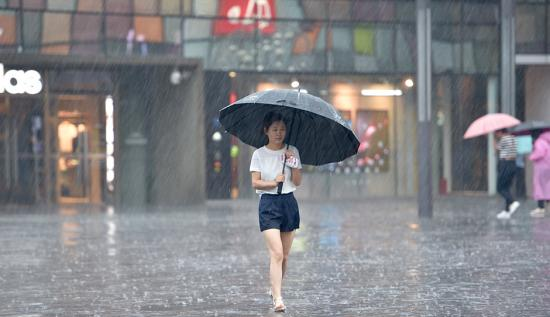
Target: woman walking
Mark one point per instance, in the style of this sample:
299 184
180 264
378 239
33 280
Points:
506 171
278 213
541 168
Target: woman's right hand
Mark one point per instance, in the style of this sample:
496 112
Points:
280 178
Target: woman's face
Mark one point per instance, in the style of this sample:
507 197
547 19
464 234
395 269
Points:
276 132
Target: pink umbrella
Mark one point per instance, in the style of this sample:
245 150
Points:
490 123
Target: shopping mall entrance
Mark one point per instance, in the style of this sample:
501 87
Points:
53 146
117 130
79 149
69 133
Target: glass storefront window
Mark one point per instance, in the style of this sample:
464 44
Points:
485 13
32 4
79 148
445 12
117 26
77 140
86 27
31 30
293 47
531 17
405 49
150 28
62 5
341 48
363 48
21 149
90 5
187 6
313 9
8 26
403 12
339 10
206 8
291 9
172 30
372 128
170 6
484 56
146 6
118 6
375 11
56 33
197 36
370 36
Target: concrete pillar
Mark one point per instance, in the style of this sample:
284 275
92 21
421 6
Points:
161 154
424 80
508 57
177 140
492 94
131 138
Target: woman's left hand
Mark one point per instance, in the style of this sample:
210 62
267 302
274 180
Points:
289 154
291 160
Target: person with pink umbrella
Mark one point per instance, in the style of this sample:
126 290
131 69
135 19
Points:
506 145
541 168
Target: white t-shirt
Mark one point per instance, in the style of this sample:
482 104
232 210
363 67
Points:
270 164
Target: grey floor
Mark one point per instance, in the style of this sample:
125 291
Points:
361 258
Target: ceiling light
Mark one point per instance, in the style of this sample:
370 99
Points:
381 92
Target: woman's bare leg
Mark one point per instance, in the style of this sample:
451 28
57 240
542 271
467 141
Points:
286 238
275 246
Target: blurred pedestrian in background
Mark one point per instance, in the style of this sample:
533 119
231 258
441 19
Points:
541 172
506 145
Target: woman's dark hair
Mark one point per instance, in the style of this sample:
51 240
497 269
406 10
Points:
269 118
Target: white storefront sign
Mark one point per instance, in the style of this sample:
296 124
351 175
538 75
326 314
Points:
20 81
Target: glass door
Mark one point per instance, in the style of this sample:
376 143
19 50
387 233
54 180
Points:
80 153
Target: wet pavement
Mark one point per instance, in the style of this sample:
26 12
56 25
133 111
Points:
361 258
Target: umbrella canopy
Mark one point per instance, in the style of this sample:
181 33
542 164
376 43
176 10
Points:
490 123
530 126
313 125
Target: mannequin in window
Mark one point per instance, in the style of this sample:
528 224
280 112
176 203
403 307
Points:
66 132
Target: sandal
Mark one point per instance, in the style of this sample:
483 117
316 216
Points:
278 305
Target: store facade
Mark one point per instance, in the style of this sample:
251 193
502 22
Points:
336 49
95 130
360 56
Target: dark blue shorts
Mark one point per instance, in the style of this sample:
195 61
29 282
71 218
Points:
279 212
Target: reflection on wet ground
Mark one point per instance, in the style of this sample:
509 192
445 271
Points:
362 258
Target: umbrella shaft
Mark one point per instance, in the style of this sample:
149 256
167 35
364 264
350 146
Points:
280 185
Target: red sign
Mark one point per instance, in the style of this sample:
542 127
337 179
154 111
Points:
241 15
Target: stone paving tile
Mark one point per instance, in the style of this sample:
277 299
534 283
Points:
350 258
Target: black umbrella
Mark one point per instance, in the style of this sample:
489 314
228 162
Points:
530 127
314 127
